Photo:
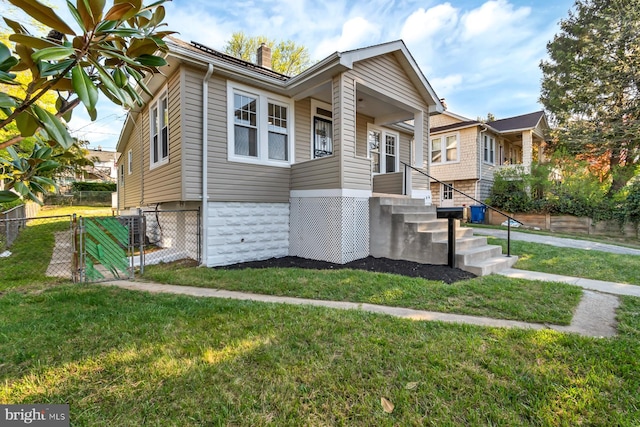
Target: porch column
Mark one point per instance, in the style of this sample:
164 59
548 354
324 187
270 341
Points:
417 183
527 149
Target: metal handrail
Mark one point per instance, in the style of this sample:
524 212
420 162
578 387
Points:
509 218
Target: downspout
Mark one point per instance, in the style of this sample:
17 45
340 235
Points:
205 189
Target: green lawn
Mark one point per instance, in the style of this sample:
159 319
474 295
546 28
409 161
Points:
492 296
574 262
130 358
180 361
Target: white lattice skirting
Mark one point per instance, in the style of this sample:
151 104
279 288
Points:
240 232
334 229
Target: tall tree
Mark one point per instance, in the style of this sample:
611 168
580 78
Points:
591 85
112 53
286 56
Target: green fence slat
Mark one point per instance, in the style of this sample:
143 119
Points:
103 238
106 252
119 231
91 272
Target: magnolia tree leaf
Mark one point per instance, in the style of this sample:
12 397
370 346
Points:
119 11
8 196
54 128
6 101
27 125
5 53
53 53
32 42
151 60
43 14
84 87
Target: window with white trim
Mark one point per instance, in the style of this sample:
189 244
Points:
260 126
382 149
489 149
159 132
322 132
445 149
122 175
129 162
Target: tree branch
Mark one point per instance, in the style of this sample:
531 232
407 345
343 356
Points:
16 139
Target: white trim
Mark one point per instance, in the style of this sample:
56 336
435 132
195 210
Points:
155 103
492 149
263 99
384 132
337 192
129 162
443 149
315 104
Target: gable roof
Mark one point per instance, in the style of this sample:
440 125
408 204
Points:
296 87
523 122
199 48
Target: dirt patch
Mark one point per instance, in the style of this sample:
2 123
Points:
380 265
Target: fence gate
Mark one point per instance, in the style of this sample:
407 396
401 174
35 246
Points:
105 248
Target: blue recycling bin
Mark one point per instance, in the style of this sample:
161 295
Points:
477 214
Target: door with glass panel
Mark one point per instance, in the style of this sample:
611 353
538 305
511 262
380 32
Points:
383 150
446 195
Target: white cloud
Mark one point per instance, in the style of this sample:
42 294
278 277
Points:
356 32
445 85
422 24
493 18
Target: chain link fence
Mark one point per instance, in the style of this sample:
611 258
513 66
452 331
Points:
168 235
90 249
80 198
45 244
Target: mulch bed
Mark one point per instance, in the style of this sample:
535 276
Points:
380 265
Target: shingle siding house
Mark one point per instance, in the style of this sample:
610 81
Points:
466 153
289 163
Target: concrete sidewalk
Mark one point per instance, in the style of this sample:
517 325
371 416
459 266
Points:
594 316
561 242
594 285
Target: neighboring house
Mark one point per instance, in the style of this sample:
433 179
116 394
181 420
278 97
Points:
287 165
466 153
104 169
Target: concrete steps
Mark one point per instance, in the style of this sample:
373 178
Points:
403 228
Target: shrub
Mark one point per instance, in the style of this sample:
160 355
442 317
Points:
509 191
630 208
93 186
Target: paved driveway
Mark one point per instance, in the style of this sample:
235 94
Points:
562 242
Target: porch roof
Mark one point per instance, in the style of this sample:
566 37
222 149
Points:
518 123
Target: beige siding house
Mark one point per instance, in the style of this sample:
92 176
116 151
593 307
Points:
279 165
466 153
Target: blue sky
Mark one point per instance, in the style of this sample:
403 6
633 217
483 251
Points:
481 56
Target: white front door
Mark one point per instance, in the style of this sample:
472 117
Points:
382 147
446 195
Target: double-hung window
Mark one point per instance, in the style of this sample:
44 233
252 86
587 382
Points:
260 126
130 162
159 121
489 149
445 149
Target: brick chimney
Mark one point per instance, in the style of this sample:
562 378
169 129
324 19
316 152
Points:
264 56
